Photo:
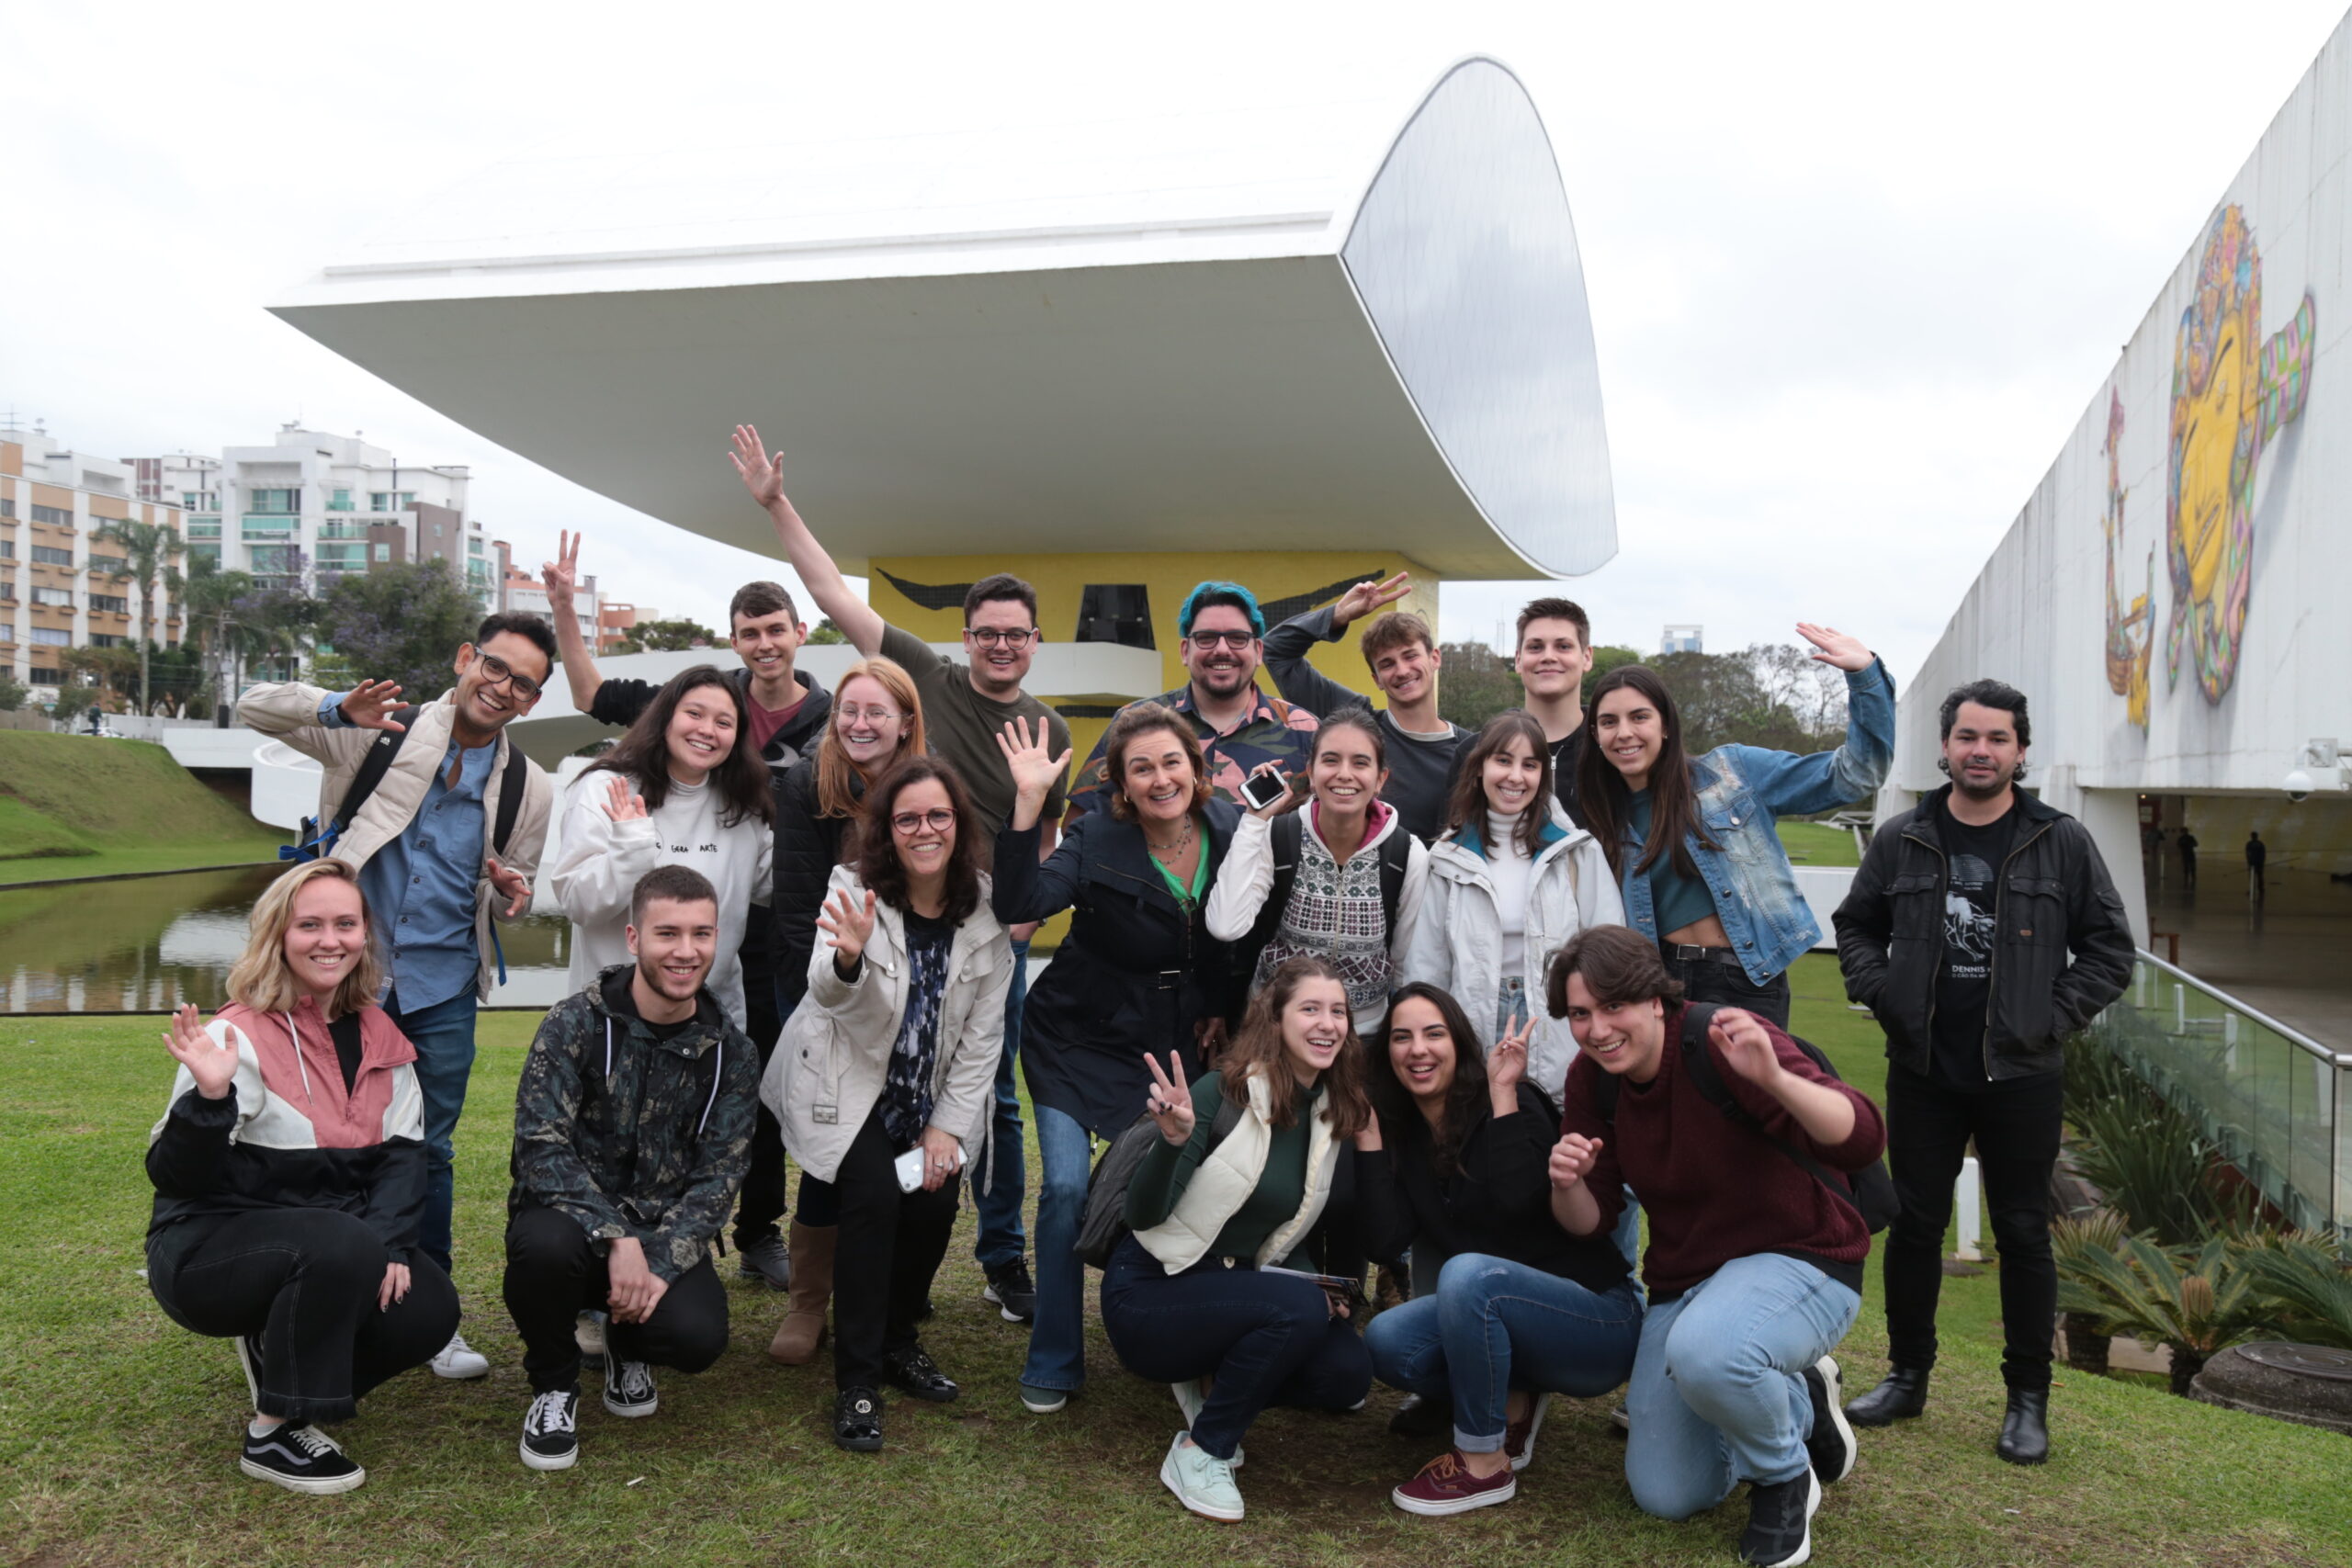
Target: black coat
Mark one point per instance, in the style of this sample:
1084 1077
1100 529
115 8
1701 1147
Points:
2052 898
807 846
1134 974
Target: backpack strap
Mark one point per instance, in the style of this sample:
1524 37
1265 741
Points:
1227 1117
1699 1061
1396 860
373 766
513 784
1286 841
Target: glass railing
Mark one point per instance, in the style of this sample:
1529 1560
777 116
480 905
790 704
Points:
2277 1102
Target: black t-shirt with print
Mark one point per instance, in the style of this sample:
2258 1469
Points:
1973 860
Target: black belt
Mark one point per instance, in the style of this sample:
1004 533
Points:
1682 951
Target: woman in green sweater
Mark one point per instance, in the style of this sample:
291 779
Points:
1192 1297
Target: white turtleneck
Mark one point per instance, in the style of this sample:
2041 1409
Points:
1507 866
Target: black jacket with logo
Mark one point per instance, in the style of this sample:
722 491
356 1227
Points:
2051 898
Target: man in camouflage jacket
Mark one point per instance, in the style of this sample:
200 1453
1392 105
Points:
632 1131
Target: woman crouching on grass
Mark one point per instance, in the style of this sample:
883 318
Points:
290 1178
1189 1298
1732 1138
1523 1310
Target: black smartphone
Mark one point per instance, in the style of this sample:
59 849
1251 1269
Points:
1262 790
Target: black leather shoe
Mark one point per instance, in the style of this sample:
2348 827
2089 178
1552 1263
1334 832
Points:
1903 1395
857 1420
2025 1431
918 1375
1418 1417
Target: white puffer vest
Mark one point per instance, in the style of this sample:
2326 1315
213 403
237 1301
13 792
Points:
1223 1182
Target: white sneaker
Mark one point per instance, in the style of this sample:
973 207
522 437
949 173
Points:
1202 1483
1189 1399
589 1332
461 1361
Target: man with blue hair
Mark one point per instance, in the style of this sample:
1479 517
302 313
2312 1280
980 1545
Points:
1240 726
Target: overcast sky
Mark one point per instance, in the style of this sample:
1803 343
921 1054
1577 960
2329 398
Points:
1855 271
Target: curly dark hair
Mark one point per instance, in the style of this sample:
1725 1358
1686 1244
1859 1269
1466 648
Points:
1395 1102
642 755
878 867
1991 693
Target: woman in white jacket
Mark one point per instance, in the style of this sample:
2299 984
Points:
1512 879
1341 881
885 1074
680 788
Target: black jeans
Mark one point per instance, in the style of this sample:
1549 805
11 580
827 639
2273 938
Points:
759 1203
889 1250
1929 1126
305 1281
1266 1338
1708 980
554 1273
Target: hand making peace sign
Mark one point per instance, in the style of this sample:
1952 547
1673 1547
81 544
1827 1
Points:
1171 1103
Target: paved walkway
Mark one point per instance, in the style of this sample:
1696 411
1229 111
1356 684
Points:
2289 955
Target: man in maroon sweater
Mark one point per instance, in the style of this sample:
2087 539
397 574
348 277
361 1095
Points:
1754 1265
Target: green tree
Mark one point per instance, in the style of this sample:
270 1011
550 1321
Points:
824 633
670 636
1473 684
13 693
150 553
235 619
110 672
402 622
1605 658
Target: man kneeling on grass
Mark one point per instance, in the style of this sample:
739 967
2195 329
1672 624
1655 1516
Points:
632 1131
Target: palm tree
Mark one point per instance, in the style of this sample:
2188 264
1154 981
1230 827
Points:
149 551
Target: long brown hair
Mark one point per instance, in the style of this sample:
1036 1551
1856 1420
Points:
1138 719
260 979
1607 803
1395 1102
642 755
1469 801
878 851
1258 1048
838 780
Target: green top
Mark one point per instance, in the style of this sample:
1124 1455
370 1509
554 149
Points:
1165 1172
1676 900
1189 898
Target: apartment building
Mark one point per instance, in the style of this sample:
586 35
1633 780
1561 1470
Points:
62 585
603 622
334 501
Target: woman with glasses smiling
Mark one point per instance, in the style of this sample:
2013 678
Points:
876 723
885 1076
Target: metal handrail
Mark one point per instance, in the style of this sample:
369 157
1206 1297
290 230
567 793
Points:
2294 1036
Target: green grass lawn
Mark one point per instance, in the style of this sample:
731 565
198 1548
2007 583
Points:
80 805
117 1429
1815 843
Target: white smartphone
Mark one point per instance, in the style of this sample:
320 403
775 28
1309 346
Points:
911 1169
1262 790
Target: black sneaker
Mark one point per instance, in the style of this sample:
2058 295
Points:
918 1375
857 1420
766 1259
628 1387
551 1430
301 1458
1831 1447
1009 1288
1780 1522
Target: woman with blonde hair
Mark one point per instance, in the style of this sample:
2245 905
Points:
289 1179
876 723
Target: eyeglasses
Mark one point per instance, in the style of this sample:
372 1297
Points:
989 636
938 819
875 714
1206 641
496 671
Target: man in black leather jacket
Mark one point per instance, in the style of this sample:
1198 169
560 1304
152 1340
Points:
1981 930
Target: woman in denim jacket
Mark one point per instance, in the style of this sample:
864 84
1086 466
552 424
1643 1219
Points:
1693 840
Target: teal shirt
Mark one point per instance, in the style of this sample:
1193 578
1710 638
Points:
1678 900
1168 1169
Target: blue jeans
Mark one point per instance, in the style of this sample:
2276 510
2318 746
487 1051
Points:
1718 1395
1510 1004
443 1034
1002 1241
1493 1325
1057 1339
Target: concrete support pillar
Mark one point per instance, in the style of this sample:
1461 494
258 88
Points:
2113 817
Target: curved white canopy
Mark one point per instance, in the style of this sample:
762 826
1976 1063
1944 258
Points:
1134 335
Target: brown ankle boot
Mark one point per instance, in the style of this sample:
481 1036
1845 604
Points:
803 1328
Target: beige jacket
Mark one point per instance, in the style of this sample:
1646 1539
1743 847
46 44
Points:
290 712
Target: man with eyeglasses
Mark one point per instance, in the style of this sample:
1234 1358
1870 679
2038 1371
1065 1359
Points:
424 844
965 708
1240 726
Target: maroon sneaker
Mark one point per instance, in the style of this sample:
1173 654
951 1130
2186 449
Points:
1518 1437
1447 1486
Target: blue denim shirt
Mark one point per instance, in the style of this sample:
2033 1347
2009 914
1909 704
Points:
1742 791
420 886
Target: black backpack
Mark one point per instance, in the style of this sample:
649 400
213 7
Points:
1105 1223
312 841
1288 843
1869 1192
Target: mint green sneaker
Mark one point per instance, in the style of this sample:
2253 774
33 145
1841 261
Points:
1189 1399
1202 1483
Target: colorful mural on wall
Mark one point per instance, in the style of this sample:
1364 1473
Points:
2232 393
2131 634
